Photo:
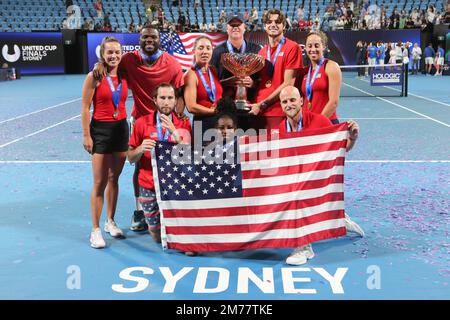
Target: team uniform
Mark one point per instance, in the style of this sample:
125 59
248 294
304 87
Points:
319 92
203 98
144 79
381 55
372 55
429 55
289 57
109 133
440 56
146 128
309 121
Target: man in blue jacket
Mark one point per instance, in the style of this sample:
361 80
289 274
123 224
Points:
429 57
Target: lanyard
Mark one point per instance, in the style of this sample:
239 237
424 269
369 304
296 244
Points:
115 93
299 125
211 91
277 52
153 57
159 129
309 81
241 51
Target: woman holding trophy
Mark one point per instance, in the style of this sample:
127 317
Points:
202 86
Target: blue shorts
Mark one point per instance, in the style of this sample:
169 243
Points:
147 198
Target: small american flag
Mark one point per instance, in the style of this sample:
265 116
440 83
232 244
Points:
181 45
282 193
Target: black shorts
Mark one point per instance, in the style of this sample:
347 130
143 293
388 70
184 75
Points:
109 137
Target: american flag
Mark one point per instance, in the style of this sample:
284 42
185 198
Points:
181 45
284 192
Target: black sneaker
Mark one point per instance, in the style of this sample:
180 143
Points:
138 221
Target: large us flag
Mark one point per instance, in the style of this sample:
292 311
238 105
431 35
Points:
283 192
181 45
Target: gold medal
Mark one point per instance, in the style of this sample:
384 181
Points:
115 114
268 83
309 105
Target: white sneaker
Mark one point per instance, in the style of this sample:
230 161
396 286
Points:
352 226
300 255
97 239
113 229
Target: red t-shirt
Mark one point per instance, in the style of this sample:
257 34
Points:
145 128
143 79
202 95
309 121
103 103
320 91
290 57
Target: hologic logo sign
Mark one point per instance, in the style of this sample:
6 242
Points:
386 77
11 57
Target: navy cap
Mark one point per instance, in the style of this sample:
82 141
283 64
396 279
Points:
235 16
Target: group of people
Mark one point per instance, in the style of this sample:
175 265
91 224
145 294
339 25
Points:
380 54
284 96
434 58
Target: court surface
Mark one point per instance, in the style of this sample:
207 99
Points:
397 187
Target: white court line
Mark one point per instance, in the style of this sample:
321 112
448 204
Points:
36 132
87 161
384 118
415 95
397 105
37 111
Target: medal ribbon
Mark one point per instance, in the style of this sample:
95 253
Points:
241 51
309 81
211 91
153 57
299 125
271 65
159 129
115 93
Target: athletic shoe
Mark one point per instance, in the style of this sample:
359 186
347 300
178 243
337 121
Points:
190 253
97 239
138 221
300 255
113 229
352 226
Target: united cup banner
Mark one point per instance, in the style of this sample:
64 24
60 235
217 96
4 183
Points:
33 52
256 192
386 77
180 45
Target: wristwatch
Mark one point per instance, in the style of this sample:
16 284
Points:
263 105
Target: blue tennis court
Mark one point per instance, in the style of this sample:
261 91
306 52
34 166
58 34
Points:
397 188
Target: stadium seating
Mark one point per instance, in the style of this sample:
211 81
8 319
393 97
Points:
37 15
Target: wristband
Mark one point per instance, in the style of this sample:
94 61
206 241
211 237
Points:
263 105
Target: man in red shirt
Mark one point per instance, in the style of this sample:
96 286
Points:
297 119
163 125
145 70
283 60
